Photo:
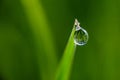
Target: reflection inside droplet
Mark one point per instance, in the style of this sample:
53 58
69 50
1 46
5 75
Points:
81 37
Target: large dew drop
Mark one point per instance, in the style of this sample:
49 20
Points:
80 35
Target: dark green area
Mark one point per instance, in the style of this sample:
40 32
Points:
34 34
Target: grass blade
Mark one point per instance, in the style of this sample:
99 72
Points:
64 68
43 39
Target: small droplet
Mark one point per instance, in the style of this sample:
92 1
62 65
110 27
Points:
80 35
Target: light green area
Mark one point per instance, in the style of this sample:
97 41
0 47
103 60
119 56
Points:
42 34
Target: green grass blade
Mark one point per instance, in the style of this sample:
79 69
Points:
64 68
43 38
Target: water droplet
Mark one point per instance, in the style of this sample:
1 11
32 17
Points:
80 35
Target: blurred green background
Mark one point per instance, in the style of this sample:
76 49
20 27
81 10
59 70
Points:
34 34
